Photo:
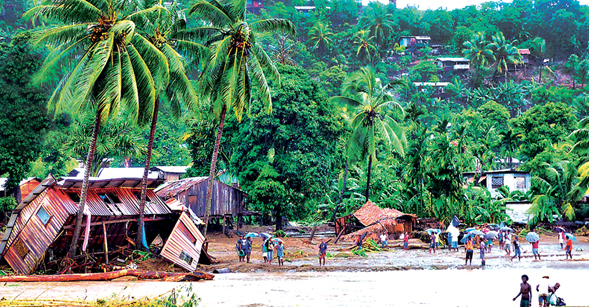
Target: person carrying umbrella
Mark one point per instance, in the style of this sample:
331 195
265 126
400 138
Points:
482 252
535 250
561 238
569 248
469 251
508 244
270 249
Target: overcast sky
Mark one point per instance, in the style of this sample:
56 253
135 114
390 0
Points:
447 4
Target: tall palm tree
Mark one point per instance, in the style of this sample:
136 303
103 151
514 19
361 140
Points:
365 45
537 49
378 22
164 28
505 53
373 104
321 36
235 61
478 50
106 64
284 50
555 186
510 140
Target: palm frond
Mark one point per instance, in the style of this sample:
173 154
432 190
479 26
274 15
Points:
61 35
108 97
266 63
145 85
274 25
211 13
130 93
54 58
155 60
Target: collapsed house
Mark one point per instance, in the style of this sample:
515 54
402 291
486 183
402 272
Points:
227 201
41 228
370 220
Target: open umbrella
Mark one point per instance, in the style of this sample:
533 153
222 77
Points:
477 233
491 235
494 226
466 236
532 237
468 230
265 236
252 235
505 229
431 230
571 236
560 229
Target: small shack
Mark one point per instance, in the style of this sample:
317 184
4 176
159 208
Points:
41 227
228 201
372 219
26 186
170 173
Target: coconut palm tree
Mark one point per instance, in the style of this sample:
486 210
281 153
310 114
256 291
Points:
510 140
164 28
505 53
235 61
478 51
373 104
321 37
378 22
555 186
365 45
106 64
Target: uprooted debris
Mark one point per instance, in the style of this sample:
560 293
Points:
140 274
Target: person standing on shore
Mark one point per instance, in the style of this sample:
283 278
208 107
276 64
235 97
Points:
239 247
535 250
561 239
280 253
406 241
322 252
569 249
508 244
482 253
270 250
383 239
432 243
525 291
248 250
469 251
516 250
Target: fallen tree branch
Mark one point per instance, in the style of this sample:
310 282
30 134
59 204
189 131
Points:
140 274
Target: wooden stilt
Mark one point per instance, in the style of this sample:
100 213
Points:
105 242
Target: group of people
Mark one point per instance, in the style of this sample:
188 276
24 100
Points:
546 293
562 238
479 242
244 250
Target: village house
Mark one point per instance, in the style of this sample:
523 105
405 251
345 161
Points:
437 89
41 227
414 41
228 201
453 64
493 180
254 6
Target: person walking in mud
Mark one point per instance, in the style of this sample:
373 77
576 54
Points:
516 251
406 241
322 252
469 251
569 248
482 252
383 240
280 253
561 239
525 291
432 244
248 249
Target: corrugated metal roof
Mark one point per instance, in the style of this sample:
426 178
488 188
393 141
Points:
116 173
173 188
524 51
170 169
119 182
371 213
4 180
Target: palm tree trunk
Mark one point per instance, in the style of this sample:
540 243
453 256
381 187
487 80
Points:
145 176
212 172
368 178
84 192
278 217
341 194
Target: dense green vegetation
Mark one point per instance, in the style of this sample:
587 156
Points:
332 114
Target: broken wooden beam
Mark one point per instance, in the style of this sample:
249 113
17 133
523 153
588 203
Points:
140 274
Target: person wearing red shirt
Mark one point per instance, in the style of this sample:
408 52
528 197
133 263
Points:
569 248
535 250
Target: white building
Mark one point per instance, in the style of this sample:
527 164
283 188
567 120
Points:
493 180
453 63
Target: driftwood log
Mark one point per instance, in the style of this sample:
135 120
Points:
140 274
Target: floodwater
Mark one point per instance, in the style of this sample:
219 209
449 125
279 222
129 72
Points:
488 287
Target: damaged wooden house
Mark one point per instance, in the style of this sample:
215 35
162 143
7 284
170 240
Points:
371 220
40 229
228 201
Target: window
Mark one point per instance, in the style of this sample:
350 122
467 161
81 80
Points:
21 249
43 215
520 183
109 198
192 199
186 258
74 196
496 182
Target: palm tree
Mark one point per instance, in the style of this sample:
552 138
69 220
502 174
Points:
505 53
111 65
555 187
510 143
284 50
320 36
164 28
537 49
235 61
364 91
365 46
478 51
378 22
